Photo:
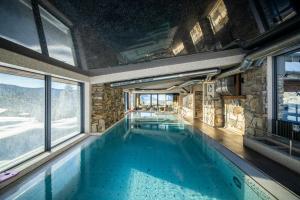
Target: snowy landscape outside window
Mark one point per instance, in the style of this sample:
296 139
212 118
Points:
65 110
22 110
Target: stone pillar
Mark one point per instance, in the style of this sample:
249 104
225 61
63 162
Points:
234 114
255 107
107 107
212 106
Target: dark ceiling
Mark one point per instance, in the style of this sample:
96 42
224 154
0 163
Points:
121 32
123 23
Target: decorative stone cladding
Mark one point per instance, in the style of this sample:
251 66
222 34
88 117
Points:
187 108
212 108
280 96
234 114
255 106
199 105
107 106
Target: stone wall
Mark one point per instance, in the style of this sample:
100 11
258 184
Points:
199 105
234 114
247 115
107 106
255 106
212 108
187 108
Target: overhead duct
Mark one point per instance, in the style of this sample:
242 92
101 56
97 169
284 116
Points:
183 85
172 88
167 77
189 83
262 53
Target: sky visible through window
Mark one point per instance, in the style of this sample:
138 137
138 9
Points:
26 82
20 81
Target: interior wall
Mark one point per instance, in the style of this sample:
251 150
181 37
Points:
212 106
187 106
234 115
107 106
246 115
198 96
254 87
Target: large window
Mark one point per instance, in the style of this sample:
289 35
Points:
288 87
156 102
161 100
144 101
26 23
17 23
22 103
58 38
65 110
24 114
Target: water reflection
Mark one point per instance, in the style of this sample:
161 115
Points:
134 160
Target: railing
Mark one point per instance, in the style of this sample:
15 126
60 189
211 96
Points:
288 130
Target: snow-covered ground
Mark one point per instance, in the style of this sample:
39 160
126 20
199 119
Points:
22 137
2 110
10 126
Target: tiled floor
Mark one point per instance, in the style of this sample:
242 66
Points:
234 142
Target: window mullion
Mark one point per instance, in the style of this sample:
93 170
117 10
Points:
39 26
82 103
47 113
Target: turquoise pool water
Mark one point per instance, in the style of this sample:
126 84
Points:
146 156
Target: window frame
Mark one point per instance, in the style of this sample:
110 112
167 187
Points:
49 121
40 26
263 20
44 55
47 115
275 83
14 72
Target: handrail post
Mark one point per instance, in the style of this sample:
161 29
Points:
291 141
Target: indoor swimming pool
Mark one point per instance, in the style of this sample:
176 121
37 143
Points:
144 156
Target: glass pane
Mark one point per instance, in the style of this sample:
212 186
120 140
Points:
17 23
288 87
154 102
145 100
65 110
58 37
22 102
161 99
277 11
169 99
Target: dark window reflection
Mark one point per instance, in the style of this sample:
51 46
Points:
275 12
